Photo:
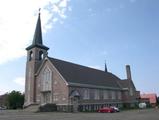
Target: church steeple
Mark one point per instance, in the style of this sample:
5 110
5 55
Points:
106 67
36 53
37 40
38 33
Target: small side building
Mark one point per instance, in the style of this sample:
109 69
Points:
151 98
3 100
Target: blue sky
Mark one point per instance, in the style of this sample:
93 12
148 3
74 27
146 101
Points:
85 32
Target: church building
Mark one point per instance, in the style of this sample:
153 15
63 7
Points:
72 87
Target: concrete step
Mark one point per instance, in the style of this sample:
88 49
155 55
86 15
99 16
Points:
32 108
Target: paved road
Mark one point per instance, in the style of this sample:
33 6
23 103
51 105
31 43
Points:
147 114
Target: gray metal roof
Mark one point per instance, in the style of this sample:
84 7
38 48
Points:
124 83
74 73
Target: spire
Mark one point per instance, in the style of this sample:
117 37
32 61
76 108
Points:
105 67
37 40
38 32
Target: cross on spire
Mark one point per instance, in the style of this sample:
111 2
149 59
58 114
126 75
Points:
39 10
37 39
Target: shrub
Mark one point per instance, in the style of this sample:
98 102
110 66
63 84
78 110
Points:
48 107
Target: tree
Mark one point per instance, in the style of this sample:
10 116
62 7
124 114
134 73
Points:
15 100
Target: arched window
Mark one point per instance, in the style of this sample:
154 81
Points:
30 55
46 80
41 55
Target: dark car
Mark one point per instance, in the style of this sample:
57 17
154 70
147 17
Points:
106 110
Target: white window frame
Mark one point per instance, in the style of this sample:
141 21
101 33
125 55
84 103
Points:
96 94
119 95
46 79
113 95
131 91
86 94
105 94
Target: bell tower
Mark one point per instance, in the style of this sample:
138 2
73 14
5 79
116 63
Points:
36 52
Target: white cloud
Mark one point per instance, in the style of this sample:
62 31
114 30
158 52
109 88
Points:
55 19
69 8
4 90
19 81
56 9
18 20
63 3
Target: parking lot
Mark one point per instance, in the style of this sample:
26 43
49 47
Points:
146 114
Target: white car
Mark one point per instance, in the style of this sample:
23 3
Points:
116 109
142 105
2 108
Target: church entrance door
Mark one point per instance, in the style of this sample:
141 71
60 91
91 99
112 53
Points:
46 97
75 104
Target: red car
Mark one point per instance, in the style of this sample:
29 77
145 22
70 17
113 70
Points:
106 110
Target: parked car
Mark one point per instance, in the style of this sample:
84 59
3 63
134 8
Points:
106 110
3 108
142 105
116 109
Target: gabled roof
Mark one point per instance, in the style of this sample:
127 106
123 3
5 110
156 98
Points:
124 83
152 97
74 73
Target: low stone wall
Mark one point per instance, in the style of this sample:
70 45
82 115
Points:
65 108
48 108
82 107
56 108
